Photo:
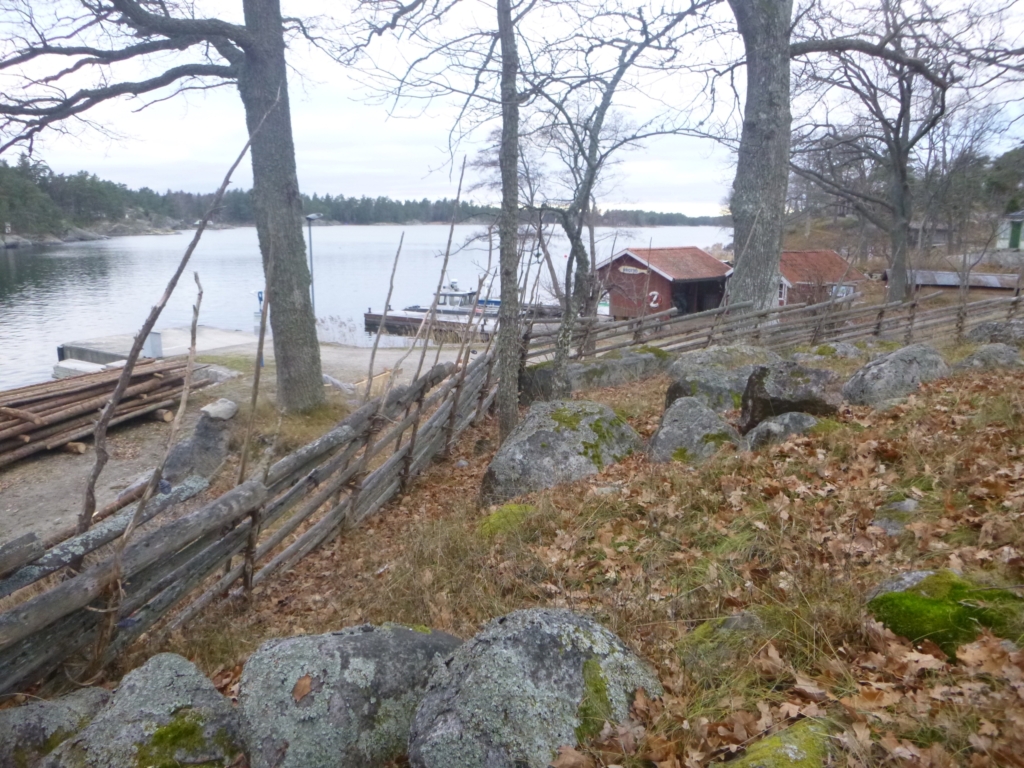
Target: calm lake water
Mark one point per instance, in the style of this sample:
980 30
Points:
49 296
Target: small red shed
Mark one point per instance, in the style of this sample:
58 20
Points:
812 276
642 281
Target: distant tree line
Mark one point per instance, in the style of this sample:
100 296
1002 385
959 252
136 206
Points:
35 200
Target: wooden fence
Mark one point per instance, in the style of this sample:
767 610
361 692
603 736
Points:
49 615
779 328
262 526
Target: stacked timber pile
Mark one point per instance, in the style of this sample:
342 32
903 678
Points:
41 417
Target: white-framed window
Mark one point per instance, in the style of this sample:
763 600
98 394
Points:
783 293
842 291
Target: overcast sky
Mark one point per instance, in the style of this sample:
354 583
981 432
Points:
346 145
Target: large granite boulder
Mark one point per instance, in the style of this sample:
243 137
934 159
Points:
557 442
778 428
692 432
895 375
163 713
991 356
716 375
345 698
536 382
30 733
529 683
773 390
998 332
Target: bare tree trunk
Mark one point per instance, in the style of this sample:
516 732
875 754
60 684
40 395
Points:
762 168
278 209
508 258
899 281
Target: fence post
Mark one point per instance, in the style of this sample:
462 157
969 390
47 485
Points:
411 450
910 323
356 483
454 415
250 552
878 322
1012 313
483 391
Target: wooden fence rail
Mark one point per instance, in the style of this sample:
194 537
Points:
49 616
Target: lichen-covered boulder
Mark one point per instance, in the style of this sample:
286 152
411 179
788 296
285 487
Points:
998 332
946 608
991 356
722 356
721 389
529 683
163 713
203 453
842 349
895 375
778 428
803 745
773 390
716 375
691 432
557 442
536 382
31 732
335 700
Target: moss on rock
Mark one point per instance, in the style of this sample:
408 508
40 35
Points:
950 611
506 518
595 708
170 745
804 745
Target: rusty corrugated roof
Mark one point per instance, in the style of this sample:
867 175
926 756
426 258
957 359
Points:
678 264
823 267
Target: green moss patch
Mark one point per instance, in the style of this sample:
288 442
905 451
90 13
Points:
505 519
566 419
681 454
183 734
949 611
718 439
804 745
825 350
595 707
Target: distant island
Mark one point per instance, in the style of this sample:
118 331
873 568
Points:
43 206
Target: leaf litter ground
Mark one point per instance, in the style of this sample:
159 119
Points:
782 539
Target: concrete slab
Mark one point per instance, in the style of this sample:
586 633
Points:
171 342
67 368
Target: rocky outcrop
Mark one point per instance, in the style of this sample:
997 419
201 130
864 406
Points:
557 442
345 698
998 332
204 452
163 713
778 428
991 356
529 683
79 235
536 382
895 375
691 432
893 517
773 390
29 733
717 375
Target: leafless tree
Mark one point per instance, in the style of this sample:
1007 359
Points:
62 58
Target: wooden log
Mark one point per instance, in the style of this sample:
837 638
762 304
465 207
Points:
164 415
20 415
35 392
36 656
41 611
73 447
17 552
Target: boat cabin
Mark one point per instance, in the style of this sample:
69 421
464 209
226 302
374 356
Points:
644 281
